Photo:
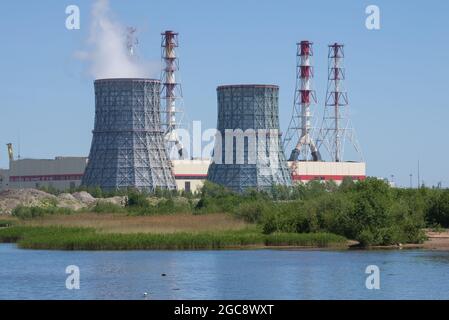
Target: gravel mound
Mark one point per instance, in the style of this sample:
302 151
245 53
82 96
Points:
66 200
9 199
85 198
119 201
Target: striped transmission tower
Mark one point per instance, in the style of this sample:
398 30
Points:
298 138
336 129
171 93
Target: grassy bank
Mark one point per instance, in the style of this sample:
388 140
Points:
68 238
370 212
6 223
122 223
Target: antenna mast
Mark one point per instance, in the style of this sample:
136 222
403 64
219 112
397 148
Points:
300 128
171 92
336 126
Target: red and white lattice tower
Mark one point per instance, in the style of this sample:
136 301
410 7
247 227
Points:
171 93
299 138
336 129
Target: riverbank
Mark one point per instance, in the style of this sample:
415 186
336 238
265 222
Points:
435 240
70 238
369 212
43 235
93 231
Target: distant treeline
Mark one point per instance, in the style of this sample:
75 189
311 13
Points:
369 211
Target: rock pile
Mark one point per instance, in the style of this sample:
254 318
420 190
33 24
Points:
10 199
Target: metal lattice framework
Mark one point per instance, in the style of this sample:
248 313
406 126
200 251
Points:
128 147
248 118
336 129
171 93
299 138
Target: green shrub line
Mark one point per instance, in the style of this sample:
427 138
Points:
106 207
63 238
6 223
368 211
26 213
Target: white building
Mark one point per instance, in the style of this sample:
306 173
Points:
190 174
306 171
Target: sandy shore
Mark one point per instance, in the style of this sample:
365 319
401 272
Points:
435 241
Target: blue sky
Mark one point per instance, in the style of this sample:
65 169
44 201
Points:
397 77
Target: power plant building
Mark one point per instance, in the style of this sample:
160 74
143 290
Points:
305 171
62 173
65 173
190 174
132 133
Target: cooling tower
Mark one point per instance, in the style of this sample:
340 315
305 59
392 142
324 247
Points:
248 151
127 148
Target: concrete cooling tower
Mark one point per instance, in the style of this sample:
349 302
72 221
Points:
128 148
248 151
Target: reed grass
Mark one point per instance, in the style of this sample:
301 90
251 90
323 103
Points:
63 238
6 223
122 223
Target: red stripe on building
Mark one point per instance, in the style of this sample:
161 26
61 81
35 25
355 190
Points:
308 177
50 177
187 176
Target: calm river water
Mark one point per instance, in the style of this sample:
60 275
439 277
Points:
244 274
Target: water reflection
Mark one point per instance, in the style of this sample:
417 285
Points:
243 274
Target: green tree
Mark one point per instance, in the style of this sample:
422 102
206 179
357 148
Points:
439 210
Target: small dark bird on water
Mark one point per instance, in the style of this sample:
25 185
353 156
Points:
164 275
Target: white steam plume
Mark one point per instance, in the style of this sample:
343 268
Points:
107 53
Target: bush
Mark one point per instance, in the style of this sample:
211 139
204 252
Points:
250 211
370 212
217 199
269 224
107 207
6 223
439 210
137 199
163 206
23 212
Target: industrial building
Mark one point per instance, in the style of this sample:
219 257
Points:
190 174
306 171
61 173
64 173
135 130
